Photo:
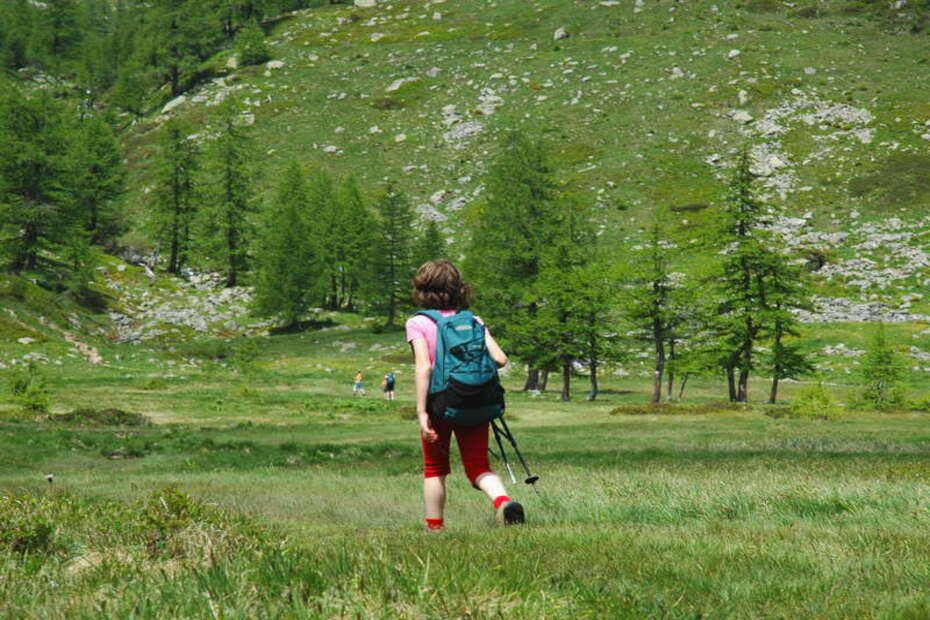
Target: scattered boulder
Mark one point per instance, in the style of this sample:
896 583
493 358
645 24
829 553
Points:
560 34
741 116
173 104
366 4
397 84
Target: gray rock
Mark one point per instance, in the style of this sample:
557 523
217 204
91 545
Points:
173 104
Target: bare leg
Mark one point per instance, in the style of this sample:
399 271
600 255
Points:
434 494
491 484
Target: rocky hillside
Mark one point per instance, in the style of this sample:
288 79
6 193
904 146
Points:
644 104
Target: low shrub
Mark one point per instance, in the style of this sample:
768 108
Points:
27 389
815 401
676 409
103 417
24 526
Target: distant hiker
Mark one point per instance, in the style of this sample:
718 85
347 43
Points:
387 385
439 288
358 388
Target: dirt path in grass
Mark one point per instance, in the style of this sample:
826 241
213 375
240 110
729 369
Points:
92 355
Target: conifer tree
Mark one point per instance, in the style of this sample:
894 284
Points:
97 175
744 244
512 229
391 264
175 196
180 35
229 214
356 234
430 245
61 28
325 211
572 299
786 288
36 209
287 268
882 373
16 25
250 43
653 306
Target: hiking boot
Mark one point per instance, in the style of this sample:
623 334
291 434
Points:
510 513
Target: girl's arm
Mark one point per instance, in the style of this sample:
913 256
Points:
422 374
497 354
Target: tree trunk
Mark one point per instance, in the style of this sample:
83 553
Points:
173 257
660 364
232 278
776 366
743 392
543 380
681 387
731 384
592 395
391 300
532 379
671 372
566 380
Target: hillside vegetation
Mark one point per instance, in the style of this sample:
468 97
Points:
642 103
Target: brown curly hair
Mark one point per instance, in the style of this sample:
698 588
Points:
438 285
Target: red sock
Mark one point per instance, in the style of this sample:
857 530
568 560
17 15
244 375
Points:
433 524
500 499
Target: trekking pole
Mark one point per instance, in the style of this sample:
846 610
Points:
530 478
500 446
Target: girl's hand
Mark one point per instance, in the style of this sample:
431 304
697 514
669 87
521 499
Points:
427 433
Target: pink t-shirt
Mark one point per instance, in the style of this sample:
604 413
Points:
419 326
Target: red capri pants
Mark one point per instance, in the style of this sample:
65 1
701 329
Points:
473 446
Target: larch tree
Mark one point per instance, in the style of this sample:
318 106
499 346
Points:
787 288
356 233
97 175
391 263
175 197
653 299
37 209
430 244
287 266
511 229
230 211
743 243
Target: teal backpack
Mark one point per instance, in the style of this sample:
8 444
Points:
465 389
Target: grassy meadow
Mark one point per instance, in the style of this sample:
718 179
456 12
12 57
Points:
256 486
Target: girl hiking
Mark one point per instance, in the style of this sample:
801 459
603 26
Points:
438 286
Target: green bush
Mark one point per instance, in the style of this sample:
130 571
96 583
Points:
882 375
250 43
23 527
103 417
27 389
815 401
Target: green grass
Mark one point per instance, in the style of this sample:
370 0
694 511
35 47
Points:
266 490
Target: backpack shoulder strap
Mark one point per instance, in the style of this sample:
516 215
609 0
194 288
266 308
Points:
432 315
